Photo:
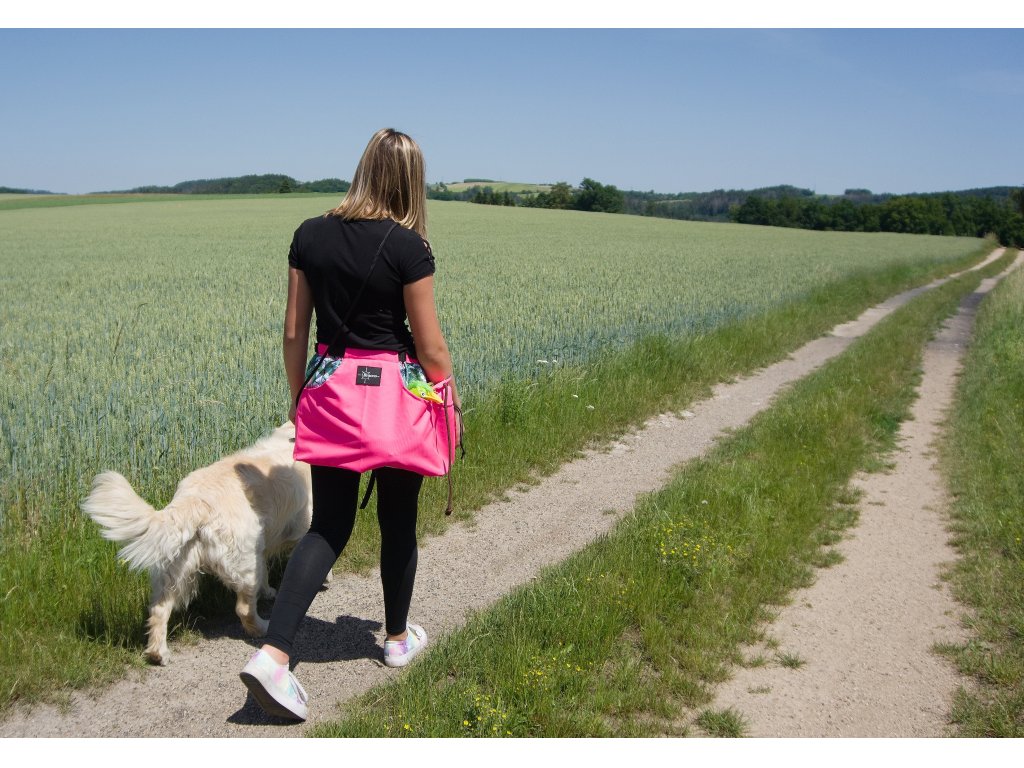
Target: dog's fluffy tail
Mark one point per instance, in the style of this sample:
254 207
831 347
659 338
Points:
152 537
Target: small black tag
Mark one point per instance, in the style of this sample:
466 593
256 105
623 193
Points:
367 376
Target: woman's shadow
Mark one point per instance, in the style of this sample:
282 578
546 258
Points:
318 641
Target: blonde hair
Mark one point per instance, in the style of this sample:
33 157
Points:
389 183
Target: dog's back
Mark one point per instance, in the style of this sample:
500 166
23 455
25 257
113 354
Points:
258 491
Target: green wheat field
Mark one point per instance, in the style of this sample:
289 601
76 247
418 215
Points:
146 337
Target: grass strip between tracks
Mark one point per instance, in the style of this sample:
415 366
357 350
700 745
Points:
982 453
622 637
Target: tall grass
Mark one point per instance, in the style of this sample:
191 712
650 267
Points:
626 636
982 455
146 338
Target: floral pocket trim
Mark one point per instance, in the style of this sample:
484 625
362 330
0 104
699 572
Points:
324 372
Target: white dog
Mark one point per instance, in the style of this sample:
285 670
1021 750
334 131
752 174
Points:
224 519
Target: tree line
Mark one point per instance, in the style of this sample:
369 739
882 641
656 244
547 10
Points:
969 213
17 191
253 184
715 205
589 196
932 214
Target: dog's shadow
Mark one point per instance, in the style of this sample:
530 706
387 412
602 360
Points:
348 638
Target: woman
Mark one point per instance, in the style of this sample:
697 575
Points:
329 262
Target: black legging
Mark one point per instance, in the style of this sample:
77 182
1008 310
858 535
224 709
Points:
335 495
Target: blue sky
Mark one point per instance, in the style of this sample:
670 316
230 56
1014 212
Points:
670 110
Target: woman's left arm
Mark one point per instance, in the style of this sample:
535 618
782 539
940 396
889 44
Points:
297 314
431 348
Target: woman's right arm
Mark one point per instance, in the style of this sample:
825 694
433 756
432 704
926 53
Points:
297 314
431 349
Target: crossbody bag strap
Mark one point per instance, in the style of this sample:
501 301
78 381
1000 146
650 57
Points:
343 325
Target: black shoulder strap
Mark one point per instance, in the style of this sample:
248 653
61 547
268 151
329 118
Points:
342 326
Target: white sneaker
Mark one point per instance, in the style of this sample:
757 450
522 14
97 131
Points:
275 688
398 653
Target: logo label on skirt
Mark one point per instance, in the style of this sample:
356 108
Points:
368 376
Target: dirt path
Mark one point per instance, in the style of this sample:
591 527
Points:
466 569
864 631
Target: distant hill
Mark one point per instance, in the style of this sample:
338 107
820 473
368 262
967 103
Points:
717 204
967 213
496 186
714 205
266 183
13 191
702 206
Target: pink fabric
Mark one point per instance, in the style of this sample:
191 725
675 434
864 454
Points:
342 423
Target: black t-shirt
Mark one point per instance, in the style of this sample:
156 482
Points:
335 256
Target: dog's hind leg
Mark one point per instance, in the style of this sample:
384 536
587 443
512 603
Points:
160 607
171 587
